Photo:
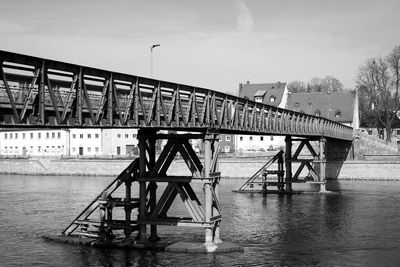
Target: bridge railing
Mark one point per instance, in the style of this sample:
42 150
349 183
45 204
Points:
36 92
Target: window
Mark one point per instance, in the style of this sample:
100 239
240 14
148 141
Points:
81 136
134 135
23 135
96 136
126 135
261 138
31 135
16 135
11 135
272 138
5 136
258 99
73 136
58 135
227 149
251 138
228 138
241 138
74 149
118 135
272 99
39 148
89 136
317 113
39 135
338 114
96 149
398 132
53 135
370 132
58 147
89 149
47 135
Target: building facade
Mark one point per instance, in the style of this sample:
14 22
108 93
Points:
85 142
120 142
35 142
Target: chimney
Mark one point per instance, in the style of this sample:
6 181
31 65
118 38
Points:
247 82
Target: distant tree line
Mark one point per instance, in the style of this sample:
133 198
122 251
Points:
378 82
327 84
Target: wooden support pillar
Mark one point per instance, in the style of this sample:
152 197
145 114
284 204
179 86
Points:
152 187
142 185
288 162
280 174
322 164
207 187
128 207
216 186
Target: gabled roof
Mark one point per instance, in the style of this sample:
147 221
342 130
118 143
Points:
266 90
327 104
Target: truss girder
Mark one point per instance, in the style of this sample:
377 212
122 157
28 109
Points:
70 94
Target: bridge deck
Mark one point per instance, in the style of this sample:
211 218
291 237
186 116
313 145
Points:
37 92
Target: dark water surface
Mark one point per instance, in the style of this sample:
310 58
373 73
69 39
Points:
359 226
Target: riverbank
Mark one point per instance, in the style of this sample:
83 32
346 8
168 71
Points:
229 167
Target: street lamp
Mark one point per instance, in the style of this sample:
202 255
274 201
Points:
151 58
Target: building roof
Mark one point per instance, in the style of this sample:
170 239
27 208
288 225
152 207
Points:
336 106
265 90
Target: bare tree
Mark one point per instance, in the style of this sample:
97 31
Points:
368 116
297 87
331 84
381 77
315 84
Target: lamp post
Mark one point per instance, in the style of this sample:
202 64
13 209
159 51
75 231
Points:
151 58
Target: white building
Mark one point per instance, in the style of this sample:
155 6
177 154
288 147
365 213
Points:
273 94
120 142
85 142
35 142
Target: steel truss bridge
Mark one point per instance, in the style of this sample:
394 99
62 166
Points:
43 93
46 93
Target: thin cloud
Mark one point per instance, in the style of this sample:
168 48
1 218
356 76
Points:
245 20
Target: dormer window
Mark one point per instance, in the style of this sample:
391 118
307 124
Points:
272 99
317 113
258 99
338 114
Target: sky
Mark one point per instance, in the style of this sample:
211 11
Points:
208 43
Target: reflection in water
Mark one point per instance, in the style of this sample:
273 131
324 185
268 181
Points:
357 226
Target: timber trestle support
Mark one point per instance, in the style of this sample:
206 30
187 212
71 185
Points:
145 212
305 159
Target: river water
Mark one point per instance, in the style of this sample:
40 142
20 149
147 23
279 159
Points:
358 226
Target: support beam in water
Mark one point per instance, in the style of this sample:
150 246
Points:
147 172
